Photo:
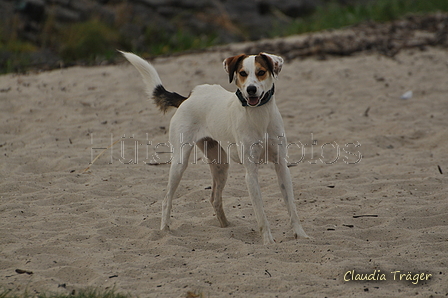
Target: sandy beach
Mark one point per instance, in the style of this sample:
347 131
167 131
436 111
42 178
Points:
369 169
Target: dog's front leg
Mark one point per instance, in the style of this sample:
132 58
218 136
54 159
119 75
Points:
277 155
255 196
285 183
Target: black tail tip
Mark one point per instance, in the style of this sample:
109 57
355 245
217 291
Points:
165 99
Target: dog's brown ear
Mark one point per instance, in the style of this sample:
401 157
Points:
274 62
231 65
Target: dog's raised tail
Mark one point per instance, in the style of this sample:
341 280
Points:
154 88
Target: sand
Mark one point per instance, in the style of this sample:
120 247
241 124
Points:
372 193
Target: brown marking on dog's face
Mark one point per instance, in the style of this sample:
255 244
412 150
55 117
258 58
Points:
233 64
262 67
273 62
241 75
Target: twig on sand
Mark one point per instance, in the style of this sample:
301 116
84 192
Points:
21 271
365 215
366 113
98 156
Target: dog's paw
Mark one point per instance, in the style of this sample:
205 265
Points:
165 228
296 236
267 238
268 241
300 233
155 235
224 224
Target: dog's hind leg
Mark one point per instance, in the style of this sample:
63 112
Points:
217 159
179 164
257 203
219 173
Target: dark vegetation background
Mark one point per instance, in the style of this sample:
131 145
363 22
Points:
45 34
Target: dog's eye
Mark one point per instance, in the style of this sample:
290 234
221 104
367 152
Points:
261 73
243 73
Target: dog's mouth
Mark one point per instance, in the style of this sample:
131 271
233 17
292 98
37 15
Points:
254 101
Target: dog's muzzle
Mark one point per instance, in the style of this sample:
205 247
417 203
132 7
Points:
252 99
255 101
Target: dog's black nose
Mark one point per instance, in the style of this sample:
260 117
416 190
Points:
251 90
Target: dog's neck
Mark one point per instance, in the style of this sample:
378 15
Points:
264 100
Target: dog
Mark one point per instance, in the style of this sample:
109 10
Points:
245 126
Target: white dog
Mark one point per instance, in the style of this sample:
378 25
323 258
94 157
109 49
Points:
245 126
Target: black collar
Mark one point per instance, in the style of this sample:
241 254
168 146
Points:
264 100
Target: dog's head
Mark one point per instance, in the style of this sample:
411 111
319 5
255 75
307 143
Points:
254 75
